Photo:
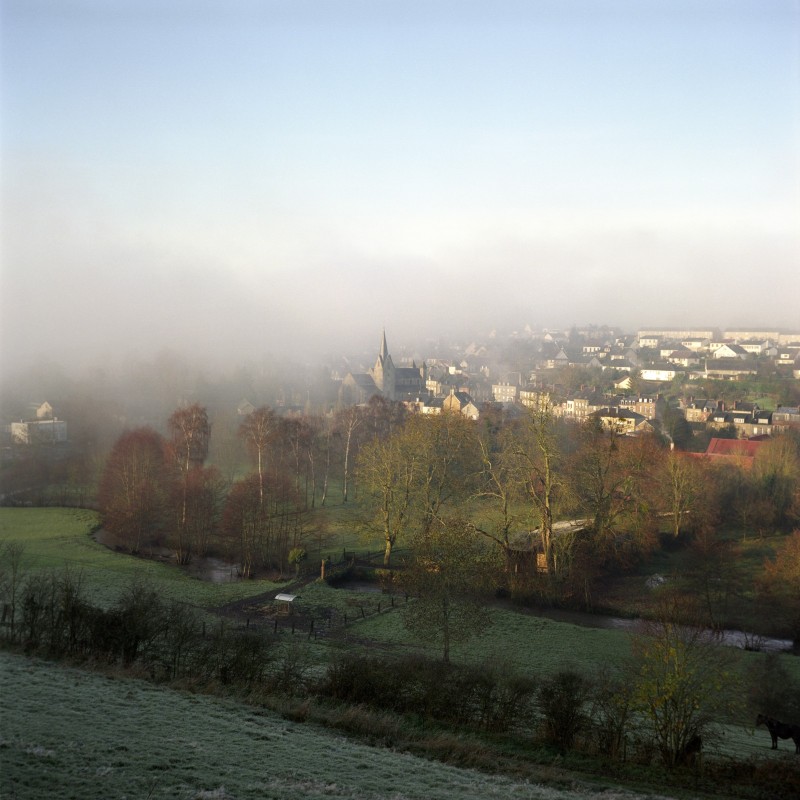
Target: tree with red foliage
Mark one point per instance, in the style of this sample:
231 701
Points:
262 523
779 587
243 522
195 501
133 487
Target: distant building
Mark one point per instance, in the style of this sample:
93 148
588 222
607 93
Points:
623 421
731 451
245 408
405 384
504 392
39 431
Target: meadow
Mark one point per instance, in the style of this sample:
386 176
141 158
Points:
127 738
61 538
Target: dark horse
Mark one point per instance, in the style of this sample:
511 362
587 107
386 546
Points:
692 751
780 730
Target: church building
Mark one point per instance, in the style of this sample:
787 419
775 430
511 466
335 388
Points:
384 379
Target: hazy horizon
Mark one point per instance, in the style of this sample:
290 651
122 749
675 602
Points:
237 179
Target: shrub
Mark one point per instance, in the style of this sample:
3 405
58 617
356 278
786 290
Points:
561 700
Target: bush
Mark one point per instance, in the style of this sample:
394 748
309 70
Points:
561 700
476 696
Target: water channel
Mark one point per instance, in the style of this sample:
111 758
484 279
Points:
731 638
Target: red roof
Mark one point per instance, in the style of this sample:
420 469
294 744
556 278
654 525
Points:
737 451
733 447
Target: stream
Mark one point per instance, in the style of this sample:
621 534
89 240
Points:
731 638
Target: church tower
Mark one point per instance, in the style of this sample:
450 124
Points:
383 371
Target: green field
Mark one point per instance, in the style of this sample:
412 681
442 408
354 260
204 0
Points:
59 538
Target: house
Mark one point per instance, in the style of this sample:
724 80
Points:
729 351
785 356
624 384
700 409
648 407
245 408
727 369
576 408
623 421
695 345
658 373
460 403
39 431
786 416
755 348
531 397
683 358
504 392
42 410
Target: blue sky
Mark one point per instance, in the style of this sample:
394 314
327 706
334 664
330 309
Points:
269 175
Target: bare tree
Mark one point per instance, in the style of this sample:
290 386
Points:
387 471
537 459
190 433
349 420
258 431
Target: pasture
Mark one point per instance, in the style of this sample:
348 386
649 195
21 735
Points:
127 738
61 538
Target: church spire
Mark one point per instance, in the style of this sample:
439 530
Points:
384 347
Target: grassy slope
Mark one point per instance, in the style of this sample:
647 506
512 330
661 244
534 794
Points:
131 739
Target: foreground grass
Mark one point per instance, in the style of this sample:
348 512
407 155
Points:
60 538
126 738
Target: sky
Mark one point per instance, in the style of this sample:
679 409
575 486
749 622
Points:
237 177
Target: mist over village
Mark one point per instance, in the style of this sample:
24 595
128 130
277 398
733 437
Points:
400 399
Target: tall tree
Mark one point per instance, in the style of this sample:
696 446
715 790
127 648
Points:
243 522
348 422
683 488
498 488
600 483
133 487
190 432
448 458
779 586
776 478
198 499
258 431
538 460
449 569
388 474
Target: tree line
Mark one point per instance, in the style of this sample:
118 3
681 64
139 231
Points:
514 480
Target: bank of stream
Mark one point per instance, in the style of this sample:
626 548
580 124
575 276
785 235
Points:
730 638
